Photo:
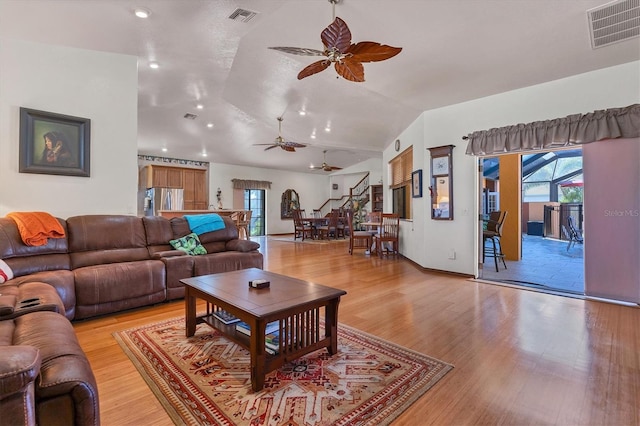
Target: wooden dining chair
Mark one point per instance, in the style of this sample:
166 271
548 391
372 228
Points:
243 223
387 238
357 239
331 228
301 228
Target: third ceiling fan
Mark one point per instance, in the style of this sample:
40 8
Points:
326 167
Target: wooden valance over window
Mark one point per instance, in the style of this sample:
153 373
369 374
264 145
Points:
250 184
572 130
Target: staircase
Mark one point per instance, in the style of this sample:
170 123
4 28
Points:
357 199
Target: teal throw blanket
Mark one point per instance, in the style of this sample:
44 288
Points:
201 223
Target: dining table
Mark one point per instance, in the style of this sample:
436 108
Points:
316 222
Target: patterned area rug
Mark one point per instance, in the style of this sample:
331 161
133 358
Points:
205 379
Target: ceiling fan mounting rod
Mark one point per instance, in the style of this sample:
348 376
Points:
333 3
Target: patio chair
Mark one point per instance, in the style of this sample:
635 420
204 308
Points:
493 233
572 233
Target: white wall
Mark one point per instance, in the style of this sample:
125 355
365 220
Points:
100 86
427 242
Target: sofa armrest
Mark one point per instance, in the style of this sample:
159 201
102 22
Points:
242 245
19 368
168 253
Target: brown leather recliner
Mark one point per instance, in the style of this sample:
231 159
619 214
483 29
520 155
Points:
45 377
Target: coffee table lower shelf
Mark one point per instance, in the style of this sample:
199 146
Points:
289 351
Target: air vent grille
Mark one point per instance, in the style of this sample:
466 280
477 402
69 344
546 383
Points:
190 116
614 22
242 15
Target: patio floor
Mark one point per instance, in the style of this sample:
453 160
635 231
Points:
545 264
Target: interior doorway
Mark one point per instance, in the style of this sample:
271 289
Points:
551 222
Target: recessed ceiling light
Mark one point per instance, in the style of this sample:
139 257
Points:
142 13
204 154
154 65
210 125
302 112
327 129
199 106
164 150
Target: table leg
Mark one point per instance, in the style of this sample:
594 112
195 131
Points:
331 325
258 355
190 312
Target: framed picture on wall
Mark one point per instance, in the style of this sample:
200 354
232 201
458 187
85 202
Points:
54 144
416 184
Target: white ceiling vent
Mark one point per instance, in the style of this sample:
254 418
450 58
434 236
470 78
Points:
614 22
242 15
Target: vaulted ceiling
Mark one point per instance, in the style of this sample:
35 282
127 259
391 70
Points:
452 51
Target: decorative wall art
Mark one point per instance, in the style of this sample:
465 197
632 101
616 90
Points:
54 144
416 184
441 189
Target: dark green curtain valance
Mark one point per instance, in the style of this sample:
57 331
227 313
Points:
250 184
572 130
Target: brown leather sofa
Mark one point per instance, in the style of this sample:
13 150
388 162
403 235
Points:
110 263
104 264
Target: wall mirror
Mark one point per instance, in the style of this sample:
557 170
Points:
441 189
290 202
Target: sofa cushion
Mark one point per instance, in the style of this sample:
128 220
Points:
190 244
17 300
23 259
62 281
102 289
159 232
102 239
226 261
180 228
242 245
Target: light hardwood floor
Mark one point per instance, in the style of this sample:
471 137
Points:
521 357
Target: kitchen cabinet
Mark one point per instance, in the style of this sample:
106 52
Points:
194 182
162 177
377 198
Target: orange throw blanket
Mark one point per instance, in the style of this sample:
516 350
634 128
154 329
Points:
37 227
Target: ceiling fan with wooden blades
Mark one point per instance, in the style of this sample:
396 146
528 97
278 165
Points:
347 57
326 167
281 142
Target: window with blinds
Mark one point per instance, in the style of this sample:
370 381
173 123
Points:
401 168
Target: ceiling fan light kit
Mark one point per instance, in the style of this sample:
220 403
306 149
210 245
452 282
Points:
347 57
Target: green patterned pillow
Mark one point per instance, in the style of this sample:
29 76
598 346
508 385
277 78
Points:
190 244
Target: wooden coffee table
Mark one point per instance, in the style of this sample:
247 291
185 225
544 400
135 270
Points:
295 304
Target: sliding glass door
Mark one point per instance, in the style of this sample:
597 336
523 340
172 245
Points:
254 200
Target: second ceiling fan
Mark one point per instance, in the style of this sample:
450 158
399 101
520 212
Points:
325 167
281 142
